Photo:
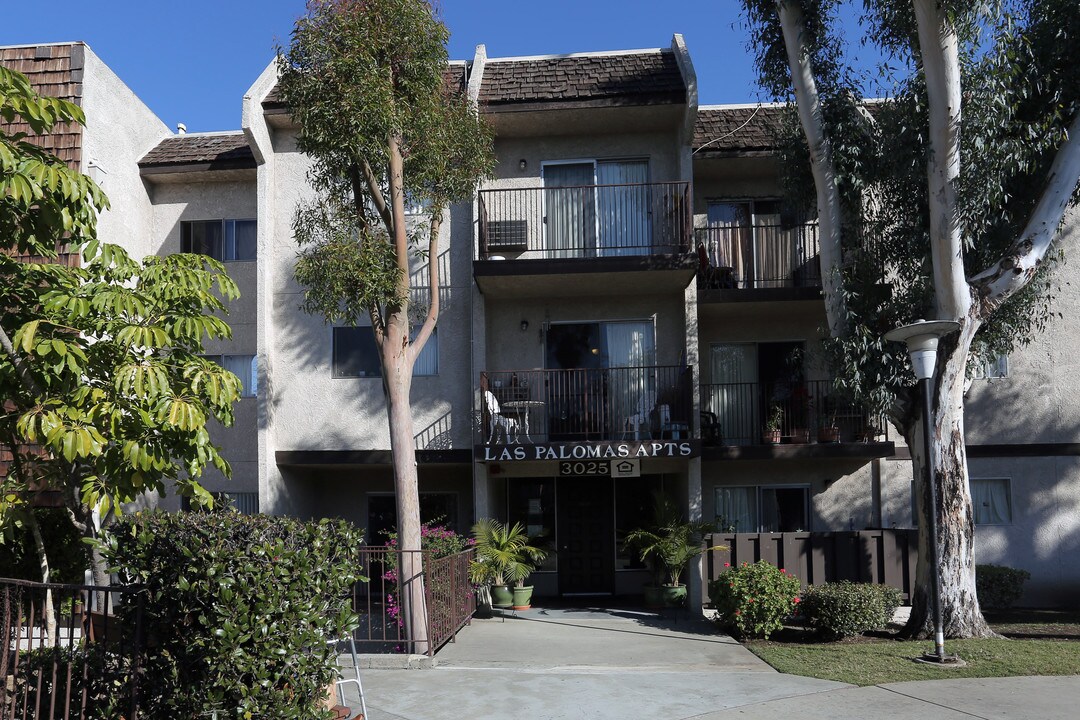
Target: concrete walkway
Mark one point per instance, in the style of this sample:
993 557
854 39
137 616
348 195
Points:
602 663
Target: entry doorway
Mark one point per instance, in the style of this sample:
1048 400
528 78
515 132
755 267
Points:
586 535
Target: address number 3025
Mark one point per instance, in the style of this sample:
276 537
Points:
585 467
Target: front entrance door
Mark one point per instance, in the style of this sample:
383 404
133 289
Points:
586 535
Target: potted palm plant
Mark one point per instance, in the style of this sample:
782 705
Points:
505 555
668 547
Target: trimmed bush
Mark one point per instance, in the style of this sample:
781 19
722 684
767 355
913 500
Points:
754 600
239 610
998 586
891 600
845 609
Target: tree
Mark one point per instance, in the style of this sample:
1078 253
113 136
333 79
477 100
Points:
105 394
364 81
940 201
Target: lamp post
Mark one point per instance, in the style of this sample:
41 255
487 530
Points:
921 338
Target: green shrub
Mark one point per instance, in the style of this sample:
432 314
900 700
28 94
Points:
891 599
754 600
845 609
68 556
998 587
238 610
95 681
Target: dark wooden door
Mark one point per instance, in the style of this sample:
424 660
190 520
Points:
586 535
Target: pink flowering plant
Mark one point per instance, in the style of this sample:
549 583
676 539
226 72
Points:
754 600
435 537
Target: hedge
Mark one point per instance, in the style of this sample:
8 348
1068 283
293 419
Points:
845 609
998 586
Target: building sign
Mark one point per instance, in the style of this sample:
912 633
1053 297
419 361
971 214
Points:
600 450
626 468
585 467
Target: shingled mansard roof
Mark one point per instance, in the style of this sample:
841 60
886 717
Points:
636 77
737 129
56 71
215 151
454 76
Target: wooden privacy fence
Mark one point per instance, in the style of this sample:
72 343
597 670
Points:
873 556
450 598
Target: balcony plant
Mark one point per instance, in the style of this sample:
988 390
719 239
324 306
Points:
505 555
828 430
667 547
773 422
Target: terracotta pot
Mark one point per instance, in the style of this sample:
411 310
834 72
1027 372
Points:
771 437
829 434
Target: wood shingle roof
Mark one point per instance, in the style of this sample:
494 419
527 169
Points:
737 129
217 151
634 78
55 71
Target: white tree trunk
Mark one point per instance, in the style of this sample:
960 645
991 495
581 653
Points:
961 615
48 612
808 104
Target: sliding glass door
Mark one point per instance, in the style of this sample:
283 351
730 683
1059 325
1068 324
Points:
570 209
597 208
623 202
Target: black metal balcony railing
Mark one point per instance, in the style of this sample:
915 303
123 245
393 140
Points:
759 256
743 413
586 221
624 403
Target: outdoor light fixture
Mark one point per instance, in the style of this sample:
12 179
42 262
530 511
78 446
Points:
522 165
921 338
524 325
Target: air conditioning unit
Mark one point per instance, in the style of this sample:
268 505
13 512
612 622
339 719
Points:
508 235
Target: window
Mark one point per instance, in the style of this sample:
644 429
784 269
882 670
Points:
531 502
356 355
225 240
245 503
993 369
245 367
991 501
439 508
763 509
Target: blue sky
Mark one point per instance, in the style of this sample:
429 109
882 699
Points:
192 60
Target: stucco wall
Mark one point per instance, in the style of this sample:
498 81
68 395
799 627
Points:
120 129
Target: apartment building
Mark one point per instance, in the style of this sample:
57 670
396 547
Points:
628 306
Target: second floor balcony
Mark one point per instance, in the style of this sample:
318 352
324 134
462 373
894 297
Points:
762 256
586 404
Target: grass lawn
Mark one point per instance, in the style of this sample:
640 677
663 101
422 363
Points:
1044 643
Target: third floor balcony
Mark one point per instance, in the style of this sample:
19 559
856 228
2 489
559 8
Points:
541 237
762 261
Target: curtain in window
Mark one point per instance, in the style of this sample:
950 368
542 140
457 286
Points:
569 210
775 249
736 508
427 362
990 499
730 240
631 353
623 208
240 240
244 367
733 394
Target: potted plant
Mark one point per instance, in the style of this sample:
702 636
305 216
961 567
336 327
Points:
773 422
668 547
505 555
828 430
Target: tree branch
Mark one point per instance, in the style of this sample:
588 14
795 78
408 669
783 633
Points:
433 281
358 197
20 367
377 198
808 103
938 46
1018 266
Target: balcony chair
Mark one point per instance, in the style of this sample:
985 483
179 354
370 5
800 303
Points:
710 429
496 421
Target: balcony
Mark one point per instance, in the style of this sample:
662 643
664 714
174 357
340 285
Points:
533 407
758 262
787 419
531 238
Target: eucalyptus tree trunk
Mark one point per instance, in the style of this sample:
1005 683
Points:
961 615
397 380
48 612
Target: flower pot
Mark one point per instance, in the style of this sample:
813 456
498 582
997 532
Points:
501 596
674 595
829 434
522 597
654 597
771 437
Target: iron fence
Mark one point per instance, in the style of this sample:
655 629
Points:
623 403
449 596
794 411
586 221
759 256
69 651
874 556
